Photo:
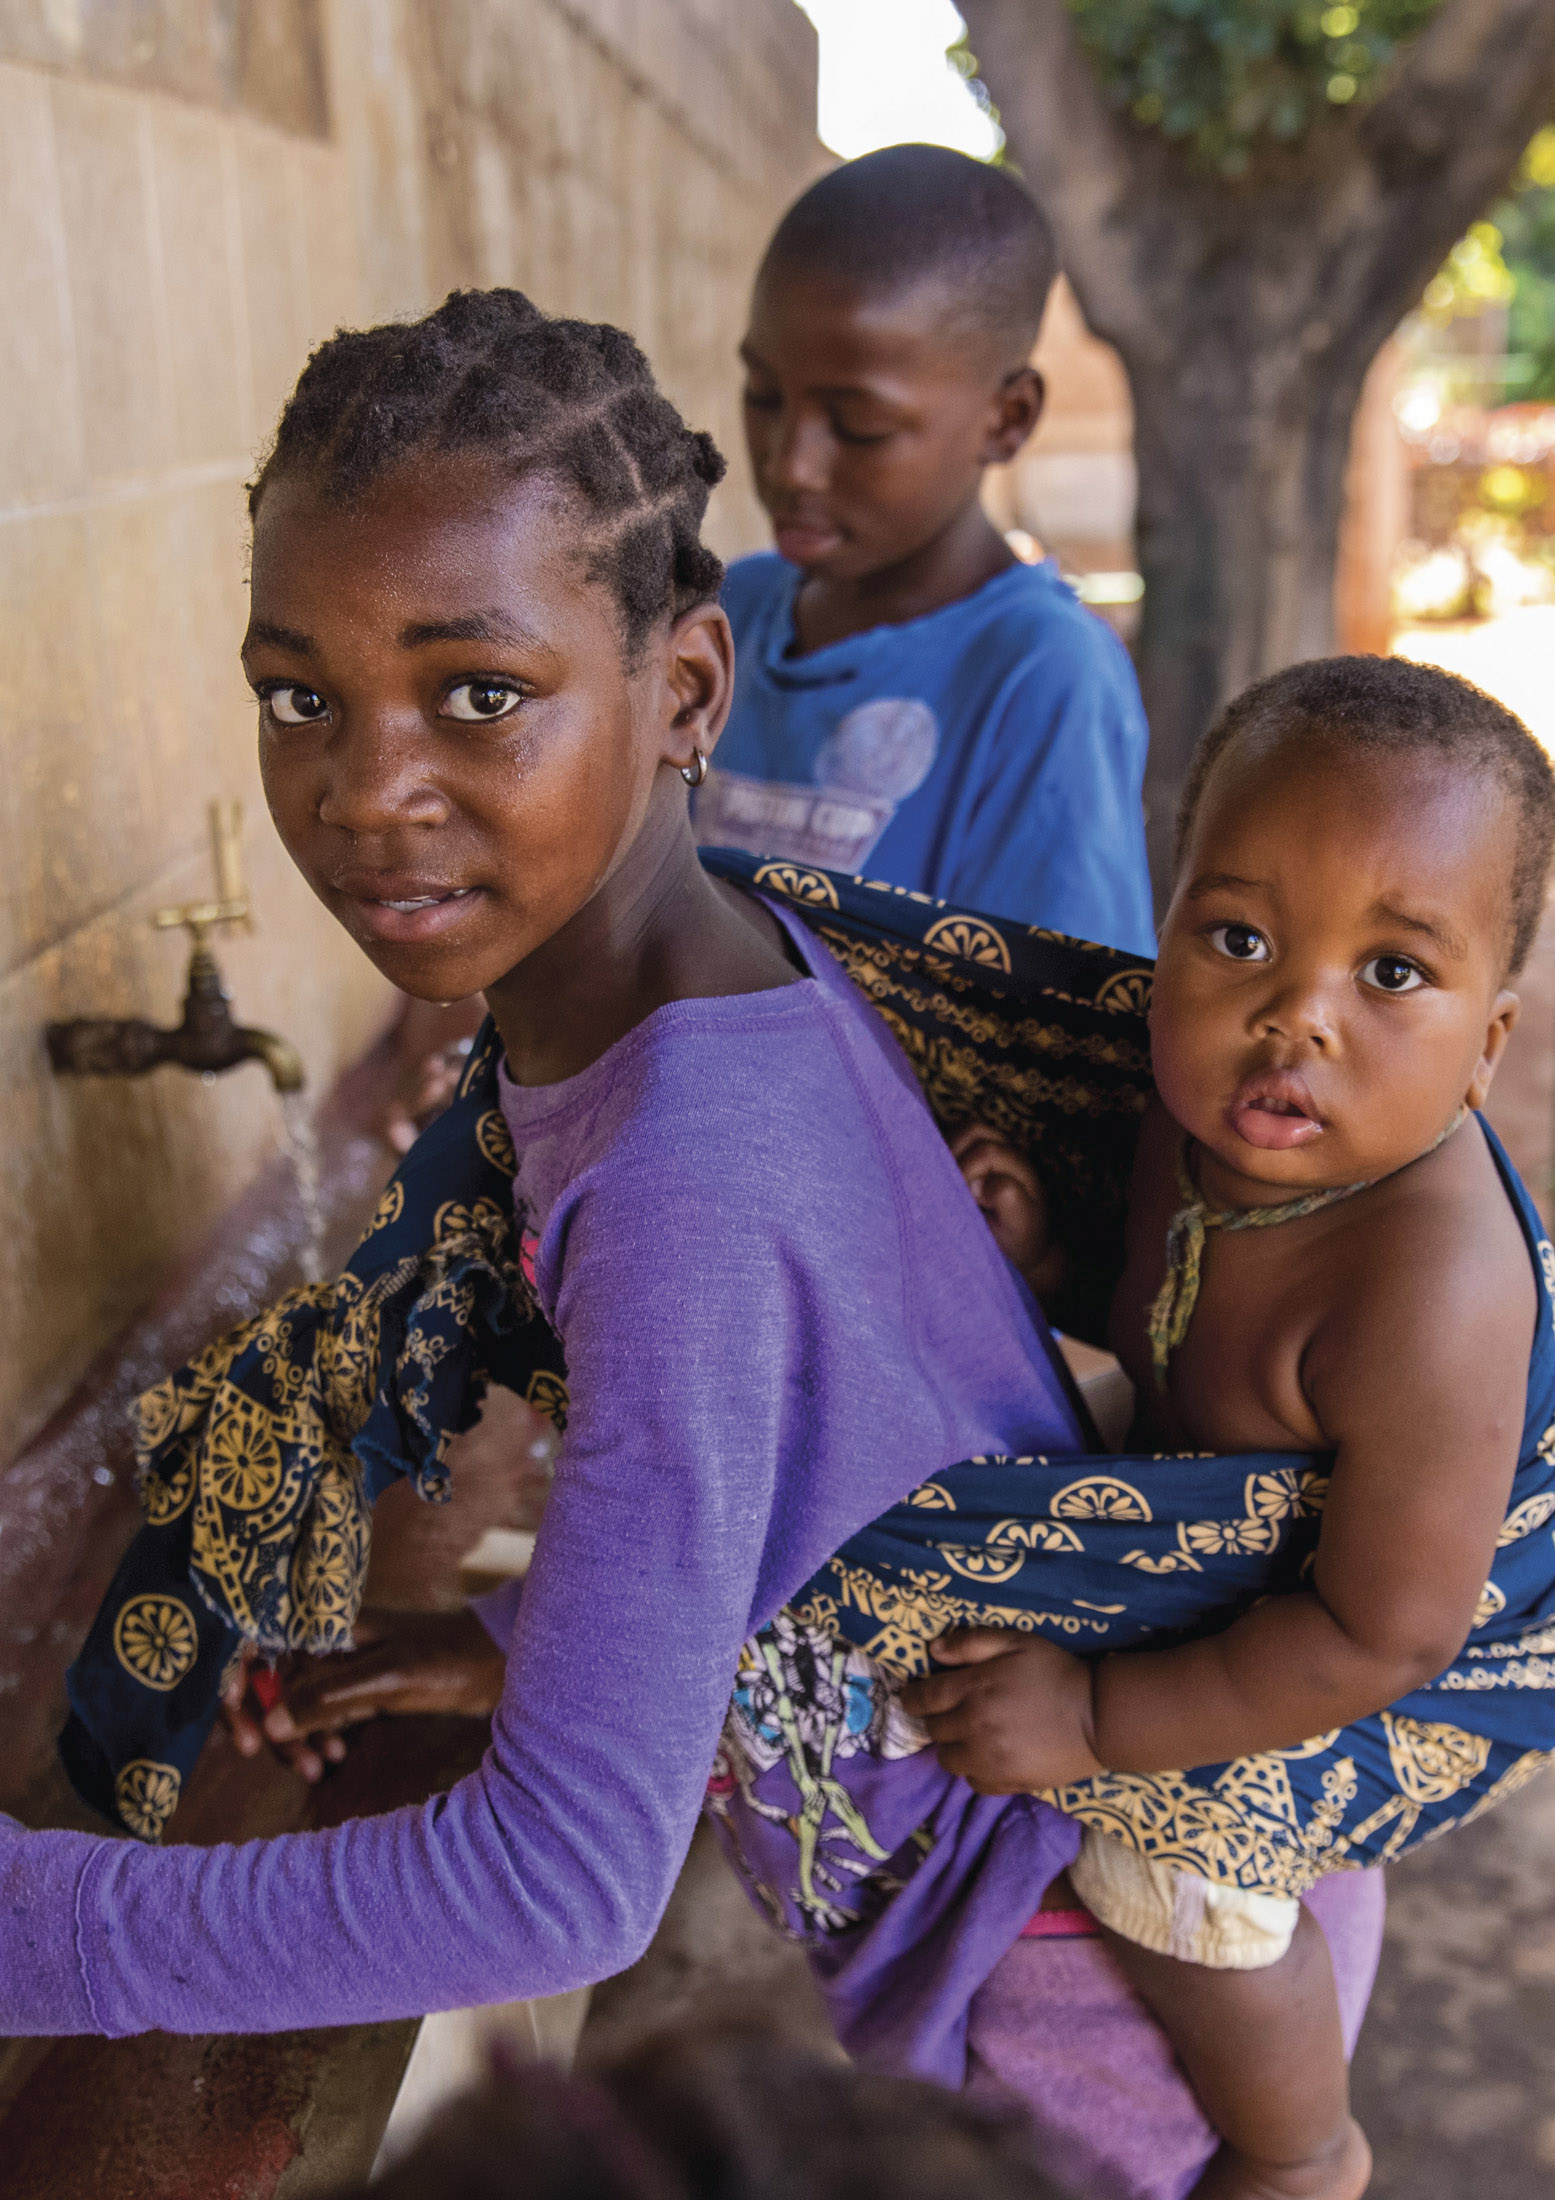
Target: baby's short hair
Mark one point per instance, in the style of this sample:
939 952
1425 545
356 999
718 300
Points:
1391 706
922 214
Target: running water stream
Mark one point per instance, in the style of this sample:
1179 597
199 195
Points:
300 1136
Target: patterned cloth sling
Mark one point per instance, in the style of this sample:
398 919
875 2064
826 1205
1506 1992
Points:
262 1459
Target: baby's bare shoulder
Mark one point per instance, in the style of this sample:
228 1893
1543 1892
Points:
1429 1270
1450 1211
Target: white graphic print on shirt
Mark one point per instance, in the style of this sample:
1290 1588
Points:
871 761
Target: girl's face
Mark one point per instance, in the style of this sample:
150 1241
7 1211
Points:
453 749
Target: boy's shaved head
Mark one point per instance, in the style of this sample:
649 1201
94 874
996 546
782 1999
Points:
915 216
1388 705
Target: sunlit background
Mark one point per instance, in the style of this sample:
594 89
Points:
1471 380
888 76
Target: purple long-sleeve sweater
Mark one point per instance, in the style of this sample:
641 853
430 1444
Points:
781 1310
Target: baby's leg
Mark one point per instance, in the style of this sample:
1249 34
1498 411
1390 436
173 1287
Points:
1264 2052
1260 2039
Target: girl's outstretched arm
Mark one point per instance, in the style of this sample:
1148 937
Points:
551 1865
758 1366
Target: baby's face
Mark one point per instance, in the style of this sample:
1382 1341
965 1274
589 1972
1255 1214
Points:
1329 991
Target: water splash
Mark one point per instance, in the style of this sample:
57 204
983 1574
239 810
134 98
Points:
300 1136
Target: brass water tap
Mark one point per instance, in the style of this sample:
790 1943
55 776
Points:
207 1039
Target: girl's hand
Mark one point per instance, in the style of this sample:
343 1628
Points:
431 1047
1014 1717
402 1662
424 1092
252 1688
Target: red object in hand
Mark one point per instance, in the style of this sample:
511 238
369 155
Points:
264 1684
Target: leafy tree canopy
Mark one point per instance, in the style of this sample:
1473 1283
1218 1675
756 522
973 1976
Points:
1225 74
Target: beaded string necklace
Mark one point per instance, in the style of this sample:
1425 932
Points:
1171 1310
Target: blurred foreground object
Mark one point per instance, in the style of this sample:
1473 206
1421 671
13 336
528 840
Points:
720 2109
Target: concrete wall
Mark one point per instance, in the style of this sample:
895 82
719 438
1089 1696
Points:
192 192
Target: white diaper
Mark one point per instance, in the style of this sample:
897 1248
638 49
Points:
1178 1914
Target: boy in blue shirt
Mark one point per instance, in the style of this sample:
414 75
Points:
911 701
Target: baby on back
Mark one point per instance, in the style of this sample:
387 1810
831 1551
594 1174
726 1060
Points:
1327 1252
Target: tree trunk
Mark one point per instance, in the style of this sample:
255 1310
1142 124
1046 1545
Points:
1247 312
1241 453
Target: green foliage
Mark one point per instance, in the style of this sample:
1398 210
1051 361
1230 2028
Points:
1526 221
1509 260
1228 74
1473 277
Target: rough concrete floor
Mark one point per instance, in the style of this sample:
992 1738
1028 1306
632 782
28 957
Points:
1455 2076
712 1950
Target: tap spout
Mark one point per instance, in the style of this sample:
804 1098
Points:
206 1040
279 1056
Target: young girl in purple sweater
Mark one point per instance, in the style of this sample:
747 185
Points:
489 659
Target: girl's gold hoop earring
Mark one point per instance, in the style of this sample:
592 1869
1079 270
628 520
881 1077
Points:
694 774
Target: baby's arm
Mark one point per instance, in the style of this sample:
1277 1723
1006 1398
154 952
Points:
1418 1376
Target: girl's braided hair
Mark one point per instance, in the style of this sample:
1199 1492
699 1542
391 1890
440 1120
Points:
574 400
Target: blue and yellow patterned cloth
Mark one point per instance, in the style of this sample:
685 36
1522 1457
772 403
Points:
1106 1554
261 1461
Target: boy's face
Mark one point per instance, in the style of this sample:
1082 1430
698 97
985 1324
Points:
1329 991
869 420
453 752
